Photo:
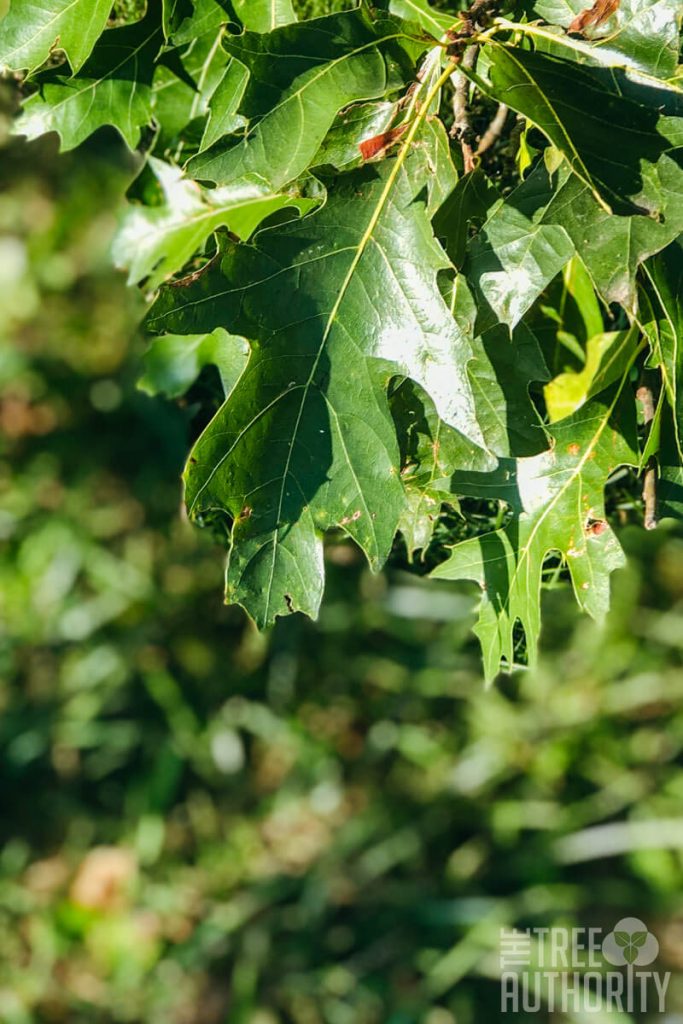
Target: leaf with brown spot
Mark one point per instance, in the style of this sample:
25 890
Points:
557 505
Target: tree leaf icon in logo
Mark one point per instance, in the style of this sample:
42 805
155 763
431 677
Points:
630 943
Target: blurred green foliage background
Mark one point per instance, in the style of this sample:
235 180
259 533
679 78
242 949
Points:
325 825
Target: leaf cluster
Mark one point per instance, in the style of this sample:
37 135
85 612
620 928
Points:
407 314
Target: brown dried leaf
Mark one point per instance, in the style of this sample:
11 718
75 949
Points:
378 145
595 15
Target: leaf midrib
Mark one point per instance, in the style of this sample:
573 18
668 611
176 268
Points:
576 474
367 235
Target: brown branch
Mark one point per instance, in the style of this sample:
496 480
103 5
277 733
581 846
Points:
494 130
461 129
646 398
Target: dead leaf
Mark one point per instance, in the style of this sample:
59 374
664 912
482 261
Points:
595 15
379 144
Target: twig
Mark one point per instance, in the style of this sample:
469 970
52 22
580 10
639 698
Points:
494 130
646 398
461 129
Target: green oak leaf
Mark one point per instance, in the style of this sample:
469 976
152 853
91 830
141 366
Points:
180 107
558 506
611 247
300 77
510 261
175 13
306 441
156 241
30 31
173 362
642 34
112 88
224 103
261 15
579 308
505 363
425 459
206 17
610 141
664 274
431 451
565 317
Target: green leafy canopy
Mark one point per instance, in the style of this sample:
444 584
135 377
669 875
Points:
432 258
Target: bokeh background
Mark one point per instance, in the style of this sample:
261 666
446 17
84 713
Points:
328 824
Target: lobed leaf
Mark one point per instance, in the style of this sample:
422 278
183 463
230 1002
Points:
611 247
155 242
558 505
300 77
606 137
333 307
182 91
31 31
511 260
112 88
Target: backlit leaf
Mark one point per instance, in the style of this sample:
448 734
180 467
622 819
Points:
559 508
431 19
606 355
30 31
113 87
262 15
173 362
156 241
